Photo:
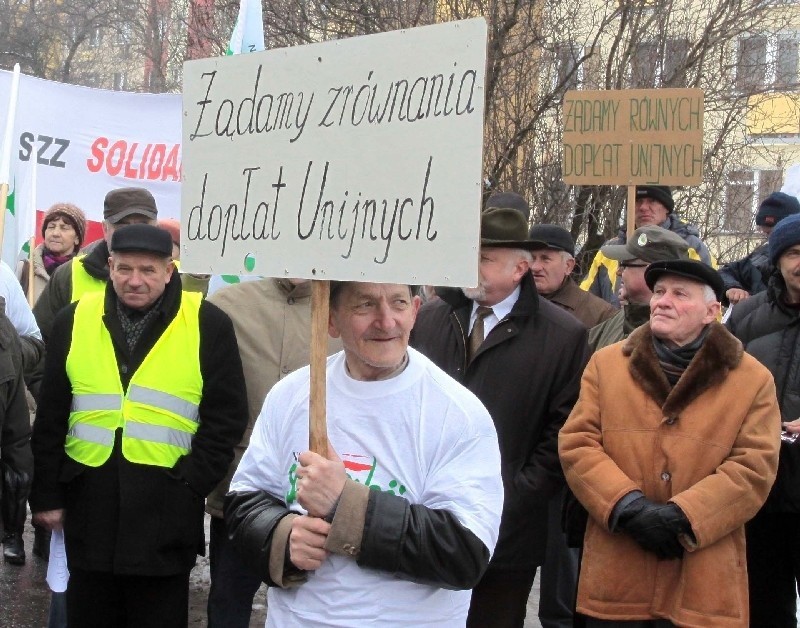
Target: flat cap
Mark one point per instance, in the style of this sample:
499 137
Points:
651 244
692 269
552 237
124 202
142 238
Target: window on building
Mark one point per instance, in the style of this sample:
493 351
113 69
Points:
644 65
745 191
120 81
673 70
769 181
739 196
751 63
91 79
95 37
567 72
124 34
786 62
593 69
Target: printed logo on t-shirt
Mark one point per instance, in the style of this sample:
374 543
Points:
360 468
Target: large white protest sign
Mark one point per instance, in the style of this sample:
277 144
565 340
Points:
88 141
357 159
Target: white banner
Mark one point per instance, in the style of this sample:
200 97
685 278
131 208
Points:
357 159
89 141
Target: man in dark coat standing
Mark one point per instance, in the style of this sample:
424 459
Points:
768 324
142 403
523 357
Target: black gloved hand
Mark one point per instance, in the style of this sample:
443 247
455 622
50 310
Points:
656 527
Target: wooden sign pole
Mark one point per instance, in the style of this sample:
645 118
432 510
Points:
631 211
317 424
31 242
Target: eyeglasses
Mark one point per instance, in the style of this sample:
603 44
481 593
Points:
632 265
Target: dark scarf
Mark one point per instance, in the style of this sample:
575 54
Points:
134 322
675 361
52 261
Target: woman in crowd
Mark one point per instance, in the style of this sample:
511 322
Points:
63 230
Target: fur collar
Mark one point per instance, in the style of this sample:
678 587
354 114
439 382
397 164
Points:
720 353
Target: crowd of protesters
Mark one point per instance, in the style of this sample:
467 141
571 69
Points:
609 433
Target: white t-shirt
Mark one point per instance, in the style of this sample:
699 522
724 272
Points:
420 435
17 308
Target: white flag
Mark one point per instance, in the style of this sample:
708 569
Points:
248 34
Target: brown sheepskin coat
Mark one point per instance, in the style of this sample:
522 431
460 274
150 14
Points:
710 445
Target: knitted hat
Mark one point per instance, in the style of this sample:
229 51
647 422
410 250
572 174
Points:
775 208
785 234
174 228
660 193
70 213
553 237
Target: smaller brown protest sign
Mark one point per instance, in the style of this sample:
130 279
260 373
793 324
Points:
630 137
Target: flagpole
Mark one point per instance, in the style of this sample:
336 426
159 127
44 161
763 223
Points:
30 270
30 227
5 161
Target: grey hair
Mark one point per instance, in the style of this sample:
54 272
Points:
524 254
709 295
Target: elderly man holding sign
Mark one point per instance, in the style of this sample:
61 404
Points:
399 520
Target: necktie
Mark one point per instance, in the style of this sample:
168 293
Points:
476 335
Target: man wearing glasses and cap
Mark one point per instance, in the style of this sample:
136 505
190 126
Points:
649 244
654 206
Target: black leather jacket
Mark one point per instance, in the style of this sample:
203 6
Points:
409 541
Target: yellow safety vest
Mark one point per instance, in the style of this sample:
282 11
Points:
611 266
158 413
82 281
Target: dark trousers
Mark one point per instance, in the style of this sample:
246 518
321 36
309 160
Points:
233 586
558 576
773 568
500 598
103 600
58 610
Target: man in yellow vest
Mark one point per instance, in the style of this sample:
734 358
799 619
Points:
142 403
88 271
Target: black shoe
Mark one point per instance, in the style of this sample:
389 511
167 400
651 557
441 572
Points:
41 542
14 549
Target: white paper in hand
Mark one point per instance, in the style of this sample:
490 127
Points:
57 572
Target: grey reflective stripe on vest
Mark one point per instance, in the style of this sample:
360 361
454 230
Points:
92 434
82 403
158 434
165 401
